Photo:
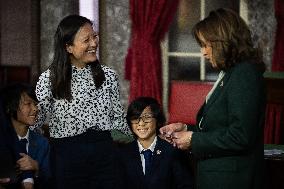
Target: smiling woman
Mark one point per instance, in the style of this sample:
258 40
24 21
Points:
82 98
84 47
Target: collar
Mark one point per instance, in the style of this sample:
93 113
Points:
151 147
76 69
25 137
221 75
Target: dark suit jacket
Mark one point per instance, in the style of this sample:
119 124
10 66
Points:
169 168
230 144
39 151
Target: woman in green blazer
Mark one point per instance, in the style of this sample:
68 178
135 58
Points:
228 138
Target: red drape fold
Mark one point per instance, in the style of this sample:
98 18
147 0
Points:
274 124
150 21
278 55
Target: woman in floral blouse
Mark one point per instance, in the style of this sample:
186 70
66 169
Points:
81 96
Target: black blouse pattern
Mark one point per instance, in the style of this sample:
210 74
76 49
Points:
98 109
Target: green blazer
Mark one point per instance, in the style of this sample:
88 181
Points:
228 144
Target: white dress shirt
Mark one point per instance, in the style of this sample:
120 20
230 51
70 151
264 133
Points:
30 180
152 148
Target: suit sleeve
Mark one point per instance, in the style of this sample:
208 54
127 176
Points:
44 165
244 103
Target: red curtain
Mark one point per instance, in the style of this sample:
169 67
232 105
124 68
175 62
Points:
274 120
150 21
274 124
278 55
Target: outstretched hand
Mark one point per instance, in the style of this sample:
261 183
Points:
182 139
168 130
176 134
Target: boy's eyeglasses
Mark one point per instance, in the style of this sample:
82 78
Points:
145 119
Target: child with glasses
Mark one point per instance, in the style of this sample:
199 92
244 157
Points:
150 162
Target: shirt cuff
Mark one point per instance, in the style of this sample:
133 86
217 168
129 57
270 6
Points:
30 180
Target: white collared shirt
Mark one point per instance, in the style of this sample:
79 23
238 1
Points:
30 180
220 77
152 148
25 137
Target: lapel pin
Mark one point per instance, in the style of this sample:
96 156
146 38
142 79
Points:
221 84
159 152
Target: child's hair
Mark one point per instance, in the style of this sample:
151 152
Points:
11 96
137 106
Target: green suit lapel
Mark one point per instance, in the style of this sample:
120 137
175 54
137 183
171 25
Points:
218 90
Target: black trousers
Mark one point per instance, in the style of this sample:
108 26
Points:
85 161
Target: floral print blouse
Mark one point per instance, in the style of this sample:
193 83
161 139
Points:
90 108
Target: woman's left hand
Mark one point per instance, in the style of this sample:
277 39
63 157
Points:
182 139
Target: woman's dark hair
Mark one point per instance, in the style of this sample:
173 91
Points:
61 68
229 37
11 96
137 106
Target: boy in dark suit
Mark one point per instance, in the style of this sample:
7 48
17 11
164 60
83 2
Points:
150 162
31 149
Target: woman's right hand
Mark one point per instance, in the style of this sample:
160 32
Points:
168 130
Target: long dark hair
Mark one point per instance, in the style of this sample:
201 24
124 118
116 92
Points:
61 69
229 37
